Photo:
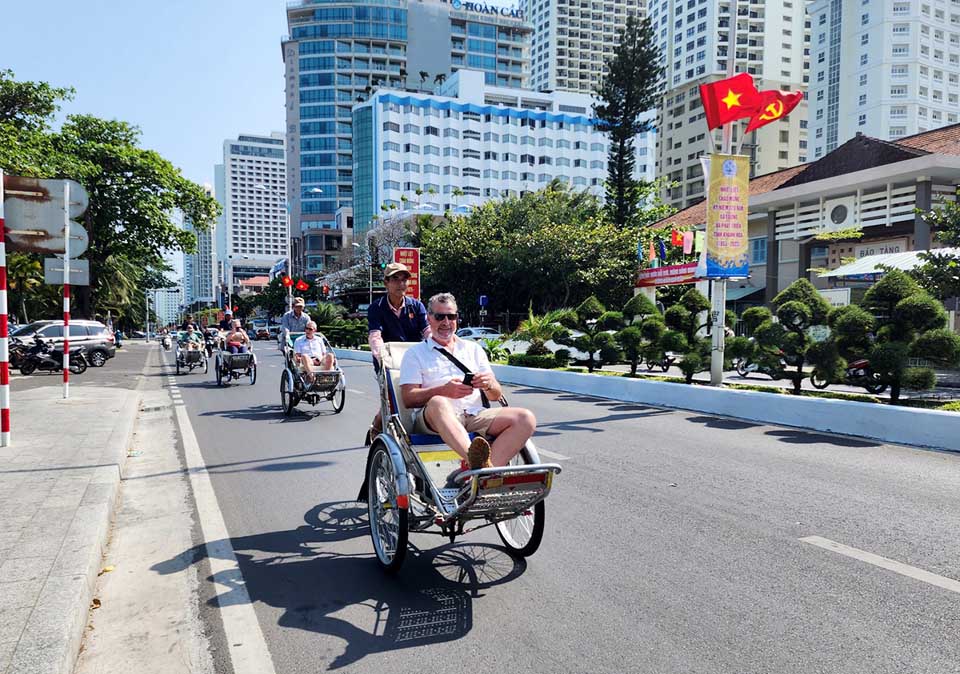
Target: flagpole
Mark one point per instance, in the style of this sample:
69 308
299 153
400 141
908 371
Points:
718 287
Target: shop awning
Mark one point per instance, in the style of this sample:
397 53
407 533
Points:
871 265
734 293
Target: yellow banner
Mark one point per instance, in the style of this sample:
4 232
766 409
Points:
728 196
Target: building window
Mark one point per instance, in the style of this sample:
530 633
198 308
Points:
862 120
758 250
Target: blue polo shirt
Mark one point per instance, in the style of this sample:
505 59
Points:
408 327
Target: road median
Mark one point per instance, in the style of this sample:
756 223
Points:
887 423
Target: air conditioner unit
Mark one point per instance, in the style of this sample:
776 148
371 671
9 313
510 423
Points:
839 213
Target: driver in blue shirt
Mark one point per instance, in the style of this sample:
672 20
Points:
394 318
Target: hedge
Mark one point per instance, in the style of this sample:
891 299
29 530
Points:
544 362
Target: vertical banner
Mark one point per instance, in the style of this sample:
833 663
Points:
411 258
728 253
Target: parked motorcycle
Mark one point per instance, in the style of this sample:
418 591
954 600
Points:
17 351
41 356
662 363
858 373
745 366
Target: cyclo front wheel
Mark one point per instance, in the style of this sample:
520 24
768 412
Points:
522 534
388 521
338 399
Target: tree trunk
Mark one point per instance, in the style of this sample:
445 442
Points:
798 381
633 367
895 391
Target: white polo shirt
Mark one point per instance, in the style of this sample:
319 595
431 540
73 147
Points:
309 347
423 366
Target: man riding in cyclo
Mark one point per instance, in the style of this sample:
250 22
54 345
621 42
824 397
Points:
310 355
448 402
191 340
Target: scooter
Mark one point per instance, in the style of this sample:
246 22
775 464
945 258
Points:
745 366
165 341
41 356
858 373
209 343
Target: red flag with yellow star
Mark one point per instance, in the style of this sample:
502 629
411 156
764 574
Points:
773 105
729 99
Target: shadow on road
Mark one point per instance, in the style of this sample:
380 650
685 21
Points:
723 424
429 601
797 437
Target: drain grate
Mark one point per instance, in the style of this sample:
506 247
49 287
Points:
155 408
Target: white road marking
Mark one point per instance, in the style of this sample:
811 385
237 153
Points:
553 455
356 391
248 648
885 563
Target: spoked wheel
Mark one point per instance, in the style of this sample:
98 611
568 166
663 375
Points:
178 366
875 385
388 522
665 365
218 366
522 534
206 365
287 395
252 374
338 399
818 381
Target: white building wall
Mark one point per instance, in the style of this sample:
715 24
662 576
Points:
885 69
254 197
485 159
572 39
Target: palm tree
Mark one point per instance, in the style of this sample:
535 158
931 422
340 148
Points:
540 329
25 275
440 79
457 193
423 77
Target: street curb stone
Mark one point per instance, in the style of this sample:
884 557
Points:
53 634
886 423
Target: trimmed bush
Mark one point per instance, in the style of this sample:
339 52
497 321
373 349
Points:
541 362
951 407
562 357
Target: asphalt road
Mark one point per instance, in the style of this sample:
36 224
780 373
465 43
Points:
672 544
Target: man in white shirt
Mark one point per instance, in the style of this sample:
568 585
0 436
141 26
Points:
310 354
444 403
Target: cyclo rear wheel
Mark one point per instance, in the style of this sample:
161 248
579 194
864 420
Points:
287 395
522 534
388 522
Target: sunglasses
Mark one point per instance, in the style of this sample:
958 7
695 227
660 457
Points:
449 317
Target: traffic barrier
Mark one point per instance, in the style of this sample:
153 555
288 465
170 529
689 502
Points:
887 423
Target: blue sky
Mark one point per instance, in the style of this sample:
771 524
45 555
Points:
189 73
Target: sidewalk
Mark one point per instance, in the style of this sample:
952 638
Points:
58 488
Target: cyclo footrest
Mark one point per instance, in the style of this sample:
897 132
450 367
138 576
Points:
493 492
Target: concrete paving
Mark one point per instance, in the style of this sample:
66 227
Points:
58 487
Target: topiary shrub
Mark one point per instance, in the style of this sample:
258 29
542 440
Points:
561 357
542 362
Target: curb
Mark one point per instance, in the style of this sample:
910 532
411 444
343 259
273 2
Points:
52 638
886 423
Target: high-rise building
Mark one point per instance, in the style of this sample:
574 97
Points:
339 51
468 144
572 39
254 206
167 304
897 63
200 281
694 38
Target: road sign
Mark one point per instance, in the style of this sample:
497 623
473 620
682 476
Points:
483 300
49 240
53 272
33 211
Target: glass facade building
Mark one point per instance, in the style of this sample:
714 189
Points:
338 52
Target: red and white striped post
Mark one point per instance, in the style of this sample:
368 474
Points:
66 289
4 335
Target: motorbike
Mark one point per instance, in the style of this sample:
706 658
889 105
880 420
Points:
165 341
662 363
209 343
17 351
858 373
41 356
745 366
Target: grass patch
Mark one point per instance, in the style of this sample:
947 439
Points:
583 370
950 407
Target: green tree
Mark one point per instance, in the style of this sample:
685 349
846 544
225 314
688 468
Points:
540 329
595 323
26 111
799 307
630 88
939 274
682 335
632 339
909 323
25 281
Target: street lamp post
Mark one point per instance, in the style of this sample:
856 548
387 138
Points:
369 270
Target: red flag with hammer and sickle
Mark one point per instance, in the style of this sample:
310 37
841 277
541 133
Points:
729 99
773 105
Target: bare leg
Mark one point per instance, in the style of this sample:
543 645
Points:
512 428
306 364
442 418
327 361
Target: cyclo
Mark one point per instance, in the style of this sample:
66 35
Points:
329 385
189 358
414 482
230 366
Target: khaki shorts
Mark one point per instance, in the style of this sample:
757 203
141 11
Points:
477 423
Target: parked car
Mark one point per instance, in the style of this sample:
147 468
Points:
521 346
93 335
478 333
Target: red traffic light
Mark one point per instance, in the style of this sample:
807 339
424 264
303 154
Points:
287 281
302 285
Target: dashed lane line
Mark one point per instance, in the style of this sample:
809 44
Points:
885 563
